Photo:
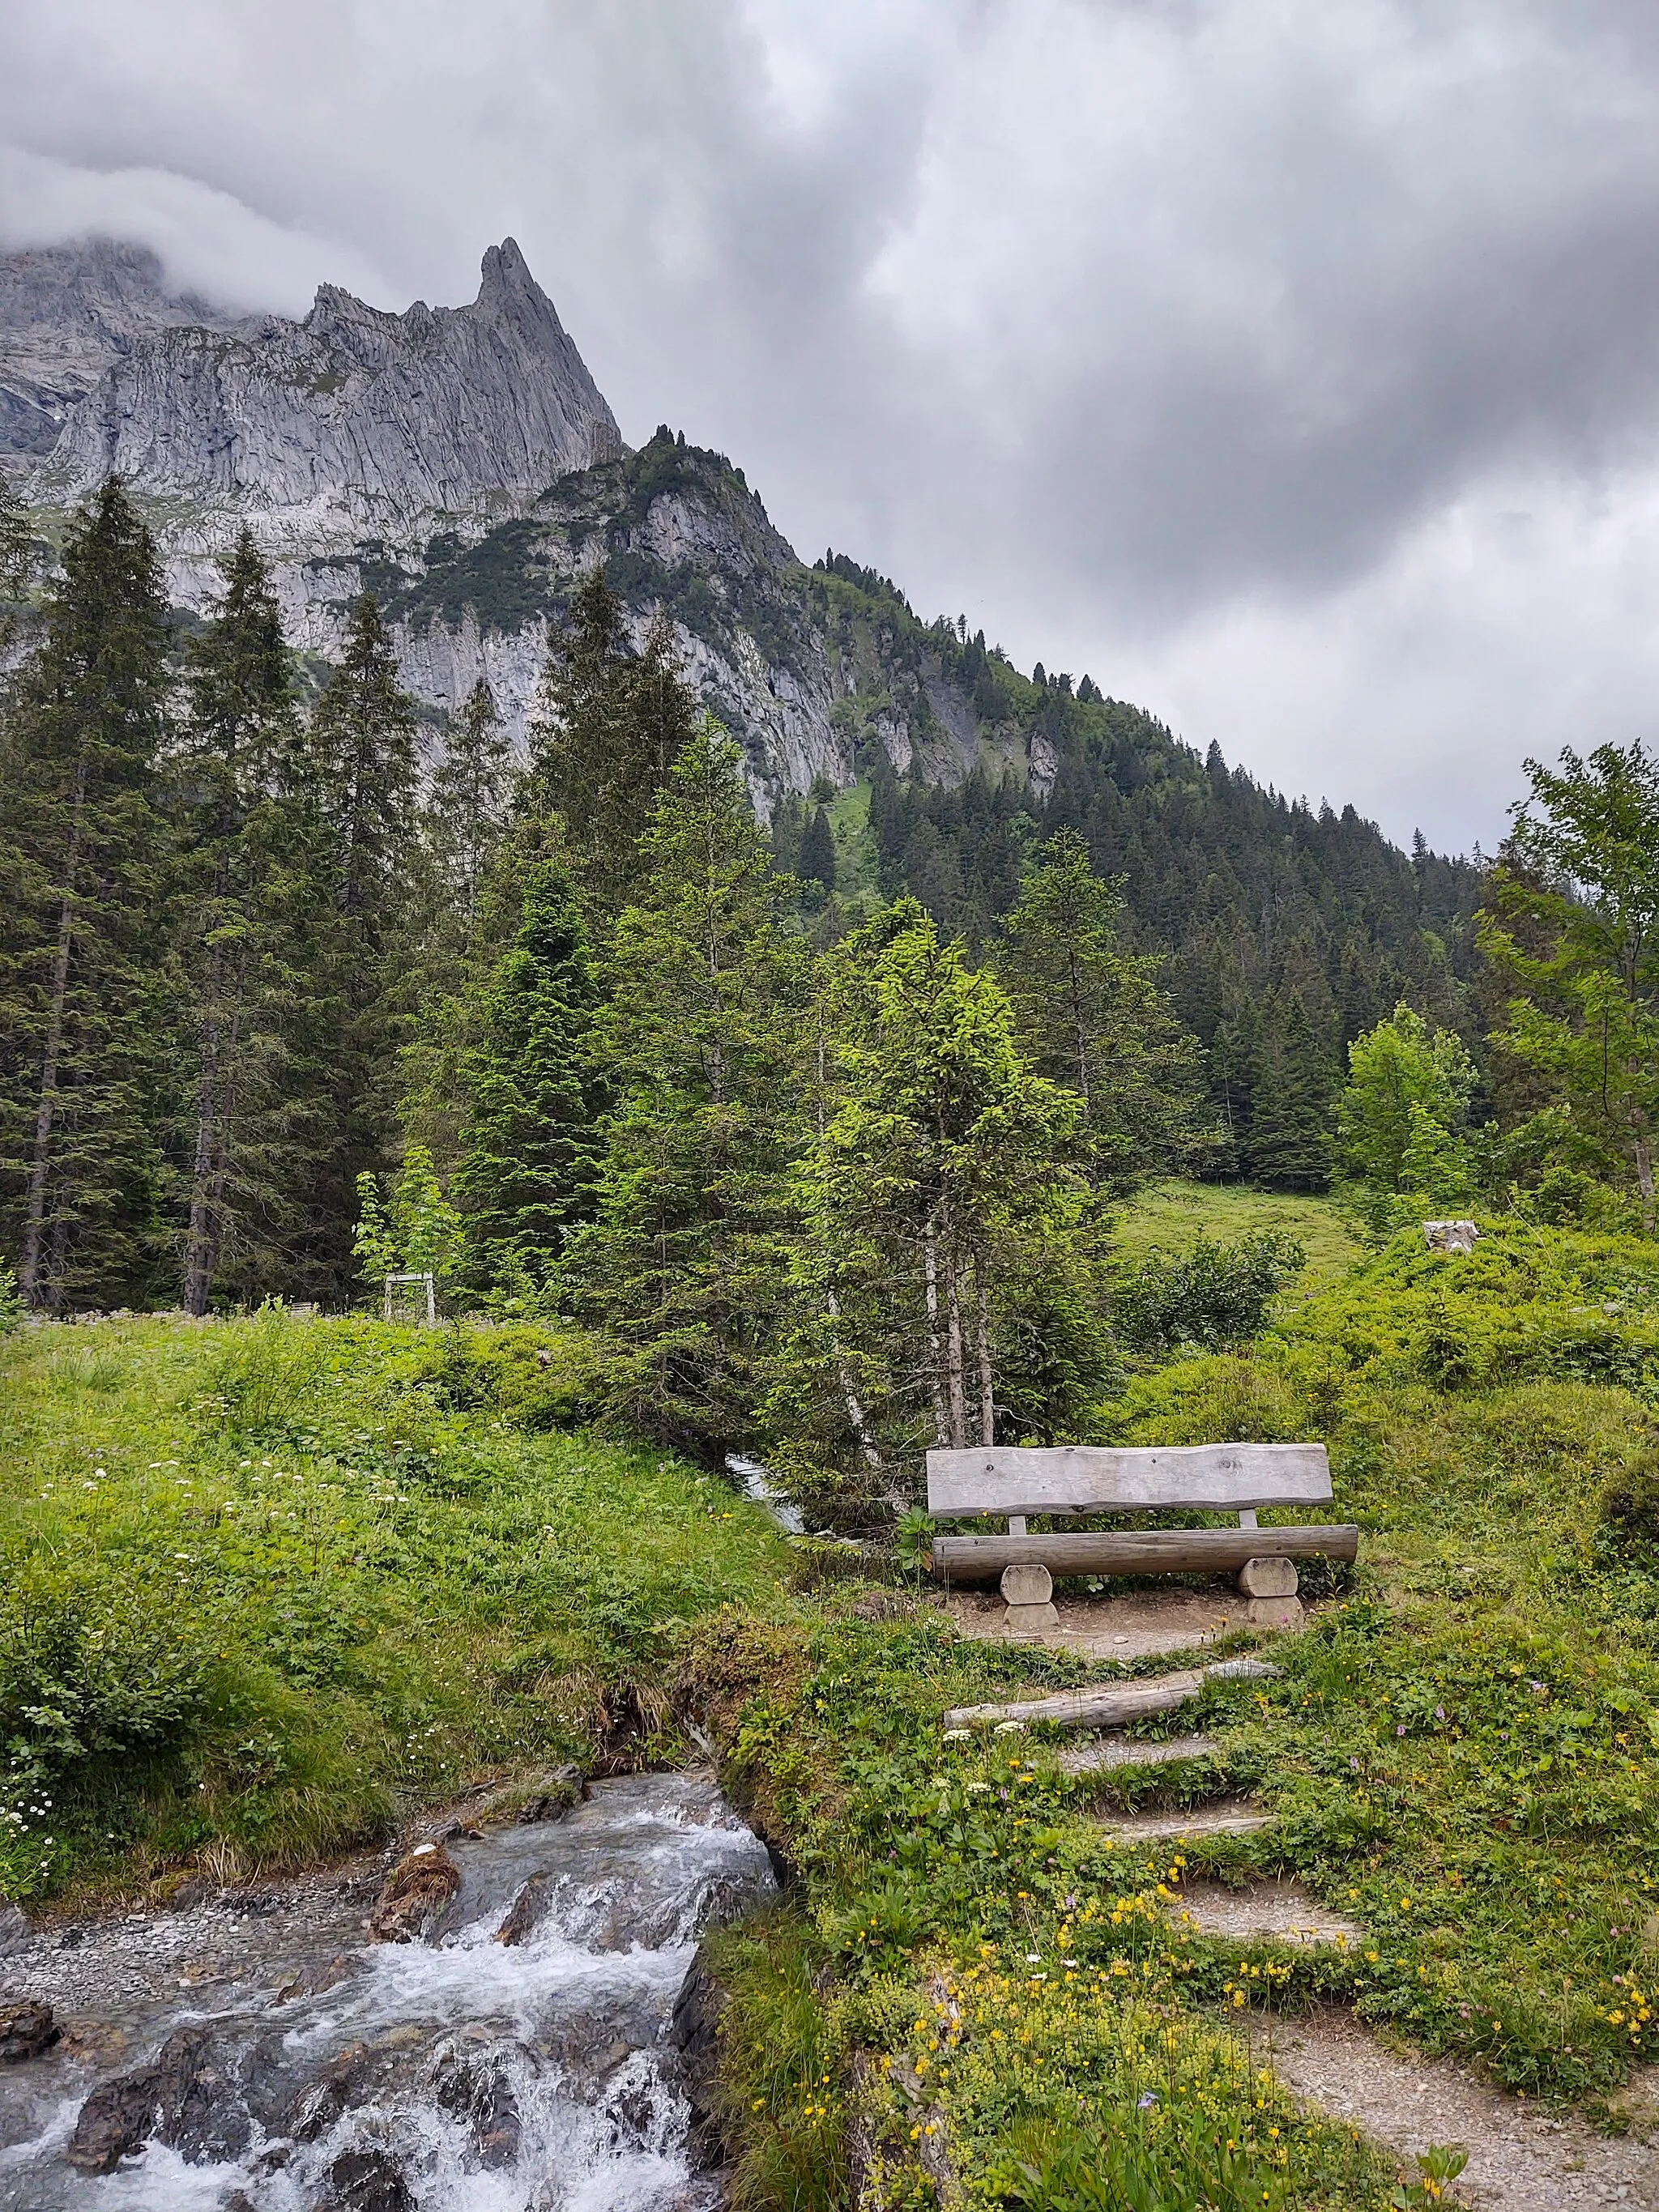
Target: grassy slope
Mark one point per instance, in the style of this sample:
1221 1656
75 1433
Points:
1464 1752
1170 1217
261 1582
1464 1755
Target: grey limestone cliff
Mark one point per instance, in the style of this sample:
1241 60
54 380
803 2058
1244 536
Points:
353 422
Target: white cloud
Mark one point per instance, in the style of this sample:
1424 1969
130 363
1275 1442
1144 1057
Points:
1203 343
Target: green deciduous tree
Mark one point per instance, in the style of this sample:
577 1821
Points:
1574 922
1094 1017
84 979
405 1225
684 1266
1400 1121
527 1171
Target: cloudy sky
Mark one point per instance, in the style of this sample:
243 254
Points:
1289 365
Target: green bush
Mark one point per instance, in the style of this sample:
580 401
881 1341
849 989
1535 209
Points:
1213 1295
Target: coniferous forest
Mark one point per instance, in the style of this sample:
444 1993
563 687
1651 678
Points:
297 997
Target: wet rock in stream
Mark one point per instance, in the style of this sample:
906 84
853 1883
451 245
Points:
187 2099
26 2030
415 1896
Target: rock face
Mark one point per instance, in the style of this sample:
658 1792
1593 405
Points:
461 464
350 423
68 314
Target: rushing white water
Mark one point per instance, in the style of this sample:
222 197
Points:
466 2075
757 1484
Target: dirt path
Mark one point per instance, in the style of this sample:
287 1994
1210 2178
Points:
1519 2160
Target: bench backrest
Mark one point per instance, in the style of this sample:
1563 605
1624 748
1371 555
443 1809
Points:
1090 1479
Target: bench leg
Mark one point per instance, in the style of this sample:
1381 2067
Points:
1028 1592
1268 1578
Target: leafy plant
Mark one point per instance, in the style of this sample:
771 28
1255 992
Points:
1214 1295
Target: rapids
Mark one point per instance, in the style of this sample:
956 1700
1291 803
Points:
320 2074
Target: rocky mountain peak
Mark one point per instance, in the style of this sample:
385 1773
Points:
354 420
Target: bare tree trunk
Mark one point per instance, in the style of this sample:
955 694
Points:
855 1412
987 1412
199 1238
29 1268
936 1357
1644 1182
956 1370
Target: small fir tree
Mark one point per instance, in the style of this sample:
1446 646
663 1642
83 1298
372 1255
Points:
467 811
817 864
1288 1147
1096 1018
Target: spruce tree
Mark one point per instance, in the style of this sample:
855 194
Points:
241 730
1095 1018
353 892
613 722
1288 1147
467 809
684 1264
816 863
530 1156
84 979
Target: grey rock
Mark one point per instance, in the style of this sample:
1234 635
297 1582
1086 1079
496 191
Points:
26 2030
354 420
15 1934
187 2098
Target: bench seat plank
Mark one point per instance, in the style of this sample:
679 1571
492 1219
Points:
1092 1479
1136 1551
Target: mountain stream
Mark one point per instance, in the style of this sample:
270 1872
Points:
529 2056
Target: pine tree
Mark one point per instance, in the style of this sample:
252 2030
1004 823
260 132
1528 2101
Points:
613 723
83 988
240 729
683 1266
1288 1147
531 1156
1096 1018
353 888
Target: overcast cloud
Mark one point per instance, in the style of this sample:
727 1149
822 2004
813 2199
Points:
1289 365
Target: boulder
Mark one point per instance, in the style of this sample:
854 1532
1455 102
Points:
26 2030
187 2099
415 1896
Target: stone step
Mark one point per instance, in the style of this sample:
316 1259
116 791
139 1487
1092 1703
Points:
1226 1817
1120 1751
1280 1911
1110 1705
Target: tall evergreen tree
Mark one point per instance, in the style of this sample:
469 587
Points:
613 723
83 982
817 864
355 887
467 809
1095 1018
240 732
531 1147
1288 1147
684 1266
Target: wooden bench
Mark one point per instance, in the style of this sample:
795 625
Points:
1241 1478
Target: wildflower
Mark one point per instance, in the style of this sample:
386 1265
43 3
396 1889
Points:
955 1735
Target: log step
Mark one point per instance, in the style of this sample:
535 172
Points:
1118 1751
1110 1705
1227 1818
